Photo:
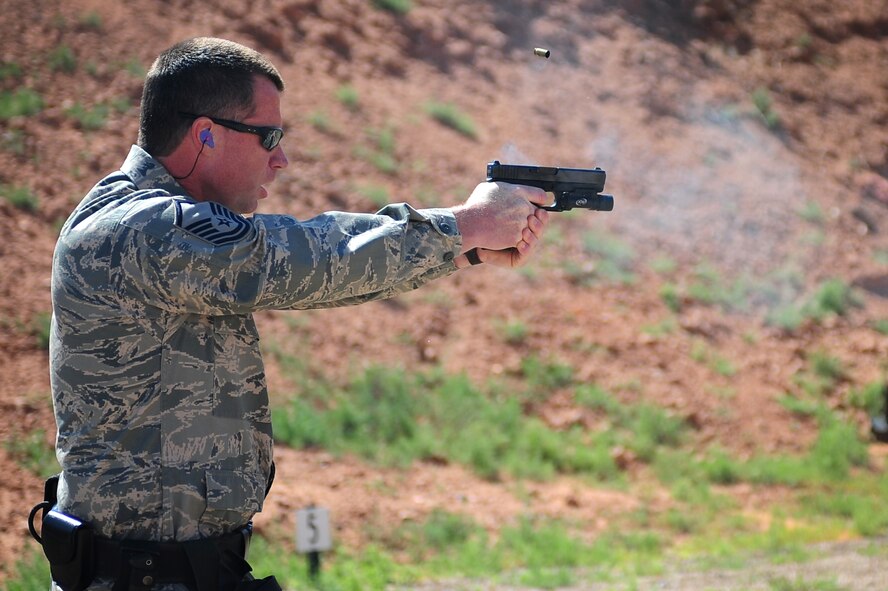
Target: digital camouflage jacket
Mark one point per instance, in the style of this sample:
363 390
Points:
164 429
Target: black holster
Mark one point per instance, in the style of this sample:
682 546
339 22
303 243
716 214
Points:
67 542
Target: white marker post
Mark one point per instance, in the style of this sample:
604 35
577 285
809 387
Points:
313 536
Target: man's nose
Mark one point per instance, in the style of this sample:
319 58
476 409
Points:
279 159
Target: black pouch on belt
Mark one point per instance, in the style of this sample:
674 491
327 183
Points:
68 545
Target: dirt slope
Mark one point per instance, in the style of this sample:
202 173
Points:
719 123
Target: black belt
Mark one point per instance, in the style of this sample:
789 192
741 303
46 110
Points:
147 563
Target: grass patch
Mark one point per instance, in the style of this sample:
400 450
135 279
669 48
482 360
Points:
377 194
395 6
10 70
22 102
321 121
663 265
612 261
642 428
94 117
31 452
812 213
512 332
13 141
801 584
870 397
701 353
62 59
764 105
382 153
837 450
89 118
451 116
20 197
671 296
30 572
709 287
91 20
395 418
348 96
833 297
538 553
40 328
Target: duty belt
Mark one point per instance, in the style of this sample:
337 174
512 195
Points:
141 564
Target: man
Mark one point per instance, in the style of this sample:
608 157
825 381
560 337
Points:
164 431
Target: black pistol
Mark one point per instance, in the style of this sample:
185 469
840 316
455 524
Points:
572 187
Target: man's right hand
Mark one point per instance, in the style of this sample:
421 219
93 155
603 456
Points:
495 215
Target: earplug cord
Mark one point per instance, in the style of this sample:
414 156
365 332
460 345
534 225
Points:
193 166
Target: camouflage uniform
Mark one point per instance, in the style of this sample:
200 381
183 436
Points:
164 430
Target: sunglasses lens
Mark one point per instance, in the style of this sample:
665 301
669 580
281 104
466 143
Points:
272 139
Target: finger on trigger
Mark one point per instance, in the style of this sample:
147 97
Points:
536 195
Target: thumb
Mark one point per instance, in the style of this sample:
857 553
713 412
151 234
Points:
509 257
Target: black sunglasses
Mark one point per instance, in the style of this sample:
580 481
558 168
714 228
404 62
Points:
270 136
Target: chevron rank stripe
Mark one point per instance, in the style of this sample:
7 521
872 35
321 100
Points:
212 222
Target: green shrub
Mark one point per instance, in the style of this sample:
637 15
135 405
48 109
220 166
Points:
834 296
786 316
377 194
20 197
33 453
89 118
812 212
320 121
40 327
653 427
450 116
30 572
720 468
838 448
513 332
663 265
710 288
616 258
62 59
91 20
395 418
10 70
870 397
761 99
382 155
348 96
671 296
21 102
549 375
13 141
396 6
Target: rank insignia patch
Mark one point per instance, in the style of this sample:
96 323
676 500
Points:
212 222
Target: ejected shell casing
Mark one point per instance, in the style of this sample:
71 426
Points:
542 52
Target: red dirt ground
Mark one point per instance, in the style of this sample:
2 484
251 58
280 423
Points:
659 96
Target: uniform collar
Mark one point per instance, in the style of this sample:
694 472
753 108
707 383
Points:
148 173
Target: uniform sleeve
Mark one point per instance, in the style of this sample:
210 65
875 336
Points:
203 258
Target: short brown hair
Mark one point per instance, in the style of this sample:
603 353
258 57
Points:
203 76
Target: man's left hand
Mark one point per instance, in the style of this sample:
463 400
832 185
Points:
519 254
